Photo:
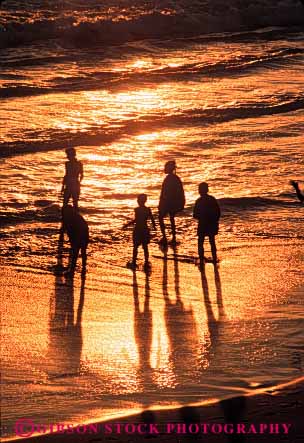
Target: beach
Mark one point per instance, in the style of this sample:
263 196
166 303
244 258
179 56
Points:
272 416
122 88
117 343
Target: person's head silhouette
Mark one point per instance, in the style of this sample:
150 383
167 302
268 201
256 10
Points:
203 188
70 153
170 167
141 199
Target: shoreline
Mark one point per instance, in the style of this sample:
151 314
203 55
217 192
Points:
273 412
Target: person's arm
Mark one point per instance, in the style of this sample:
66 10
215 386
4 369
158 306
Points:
217 209
126 225
297 189
196 210
63 180
182 192
162 196
80 171
129 223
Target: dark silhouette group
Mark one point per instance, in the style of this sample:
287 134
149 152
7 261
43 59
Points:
171 202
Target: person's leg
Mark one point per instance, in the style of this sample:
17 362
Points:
173 227
213 247
146 253
66 196
135 250
84 256
161 217
75 197
75 253
200 248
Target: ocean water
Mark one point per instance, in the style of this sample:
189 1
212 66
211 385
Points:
131 85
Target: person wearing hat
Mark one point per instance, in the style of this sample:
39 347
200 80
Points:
171 201
71 180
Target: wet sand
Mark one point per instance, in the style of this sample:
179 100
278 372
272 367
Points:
116 344
282 406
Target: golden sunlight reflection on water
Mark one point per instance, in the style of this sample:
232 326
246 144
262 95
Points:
116 342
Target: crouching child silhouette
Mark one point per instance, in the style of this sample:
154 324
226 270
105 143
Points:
78 233
141 232
300 195
207 212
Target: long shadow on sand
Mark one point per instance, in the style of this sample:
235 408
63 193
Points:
181 328
213 324
233 409
143 333
65 332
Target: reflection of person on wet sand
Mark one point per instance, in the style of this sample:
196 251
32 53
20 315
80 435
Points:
171 201
143 333
298 191
65 333
213 323
181 327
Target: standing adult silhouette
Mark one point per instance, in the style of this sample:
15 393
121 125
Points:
171 201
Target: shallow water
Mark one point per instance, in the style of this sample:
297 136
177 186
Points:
229 108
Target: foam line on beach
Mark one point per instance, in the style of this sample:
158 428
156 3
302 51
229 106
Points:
295 385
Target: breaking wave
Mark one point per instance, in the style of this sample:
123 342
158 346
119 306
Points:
193 117
88 25
109 80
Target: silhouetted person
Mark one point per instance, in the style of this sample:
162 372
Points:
297 189
207 212
171 201
78 232
72 178
141 232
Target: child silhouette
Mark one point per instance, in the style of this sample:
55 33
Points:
71 180
207 212
141 232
